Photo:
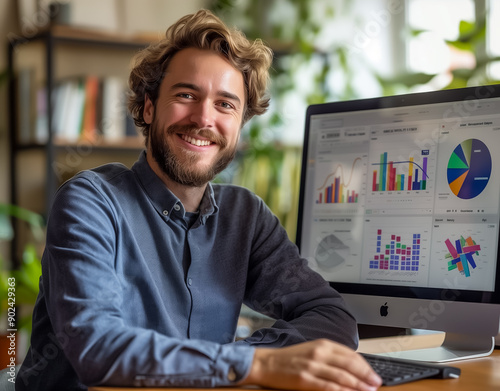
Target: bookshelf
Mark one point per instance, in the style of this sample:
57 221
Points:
44 62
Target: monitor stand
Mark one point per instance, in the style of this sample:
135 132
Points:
454 347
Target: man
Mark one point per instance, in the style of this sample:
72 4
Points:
145 269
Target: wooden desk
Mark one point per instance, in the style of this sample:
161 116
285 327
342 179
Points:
482 374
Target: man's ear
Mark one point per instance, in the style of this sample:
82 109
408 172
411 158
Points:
148 112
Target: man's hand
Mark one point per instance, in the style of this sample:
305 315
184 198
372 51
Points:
316 365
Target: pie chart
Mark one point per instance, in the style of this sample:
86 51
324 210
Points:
331 252
469 169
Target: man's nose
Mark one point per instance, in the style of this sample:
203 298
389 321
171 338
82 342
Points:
203 114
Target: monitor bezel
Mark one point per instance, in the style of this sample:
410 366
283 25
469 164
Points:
398 101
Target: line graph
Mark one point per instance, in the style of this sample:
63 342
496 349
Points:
335 189
341 167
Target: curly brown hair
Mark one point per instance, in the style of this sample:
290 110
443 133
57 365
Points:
202 30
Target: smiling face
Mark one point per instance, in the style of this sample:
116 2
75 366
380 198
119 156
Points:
196 121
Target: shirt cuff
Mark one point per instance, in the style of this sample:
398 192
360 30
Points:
233 364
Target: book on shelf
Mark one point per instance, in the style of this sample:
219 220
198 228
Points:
41 122
114 112
89 125
74 104
87 108
26 105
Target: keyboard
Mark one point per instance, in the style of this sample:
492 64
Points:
397 371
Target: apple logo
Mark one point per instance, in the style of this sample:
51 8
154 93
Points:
384 310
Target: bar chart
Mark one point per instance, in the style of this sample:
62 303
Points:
395 254
342 185
398 175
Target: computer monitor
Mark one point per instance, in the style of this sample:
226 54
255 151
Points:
400 208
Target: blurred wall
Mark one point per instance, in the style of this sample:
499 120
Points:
8 24
147 17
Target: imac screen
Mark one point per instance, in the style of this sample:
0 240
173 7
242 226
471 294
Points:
400 198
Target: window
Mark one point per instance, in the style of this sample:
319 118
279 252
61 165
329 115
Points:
493 38
434 24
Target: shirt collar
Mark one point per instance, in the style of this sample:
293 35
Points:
163 199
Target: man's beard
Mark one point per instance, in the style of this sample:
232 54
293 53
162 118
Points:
180 169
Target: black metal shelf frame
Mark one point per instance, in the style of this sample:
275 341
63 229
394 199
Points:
50 40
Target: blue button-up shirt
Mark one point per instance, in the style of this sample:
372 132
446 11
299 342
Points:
135 293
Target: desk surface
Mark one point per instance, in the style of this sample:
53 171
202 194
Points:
477 374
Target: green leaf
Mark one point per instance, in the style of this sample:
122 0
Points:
276 119
466 28
342 55
30 271
464 74
460 45
416 32
457 82
306 48
6 231
472 32
221 6
407 79
315 98
33 219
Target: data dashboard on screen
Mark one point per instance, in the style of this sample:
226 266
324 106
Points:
404 193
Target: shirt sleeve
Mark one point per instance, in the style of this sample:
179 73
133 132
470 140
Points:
281 285
83 294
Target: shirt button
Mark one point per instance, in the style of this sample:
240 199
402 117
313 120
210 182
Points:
231 374
165 212
190 281
177 207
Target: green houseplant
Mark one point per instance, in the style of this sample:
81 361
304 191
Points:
18 280
27 271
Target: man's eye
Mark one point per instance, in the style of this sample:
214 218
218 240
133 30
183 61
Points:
226 105
185 95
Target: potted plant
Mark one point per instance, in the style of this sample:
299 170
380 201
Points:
19 284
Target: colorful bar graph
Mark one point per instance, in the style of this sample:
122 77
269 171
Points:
337 194
396 255
336 189
387 177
